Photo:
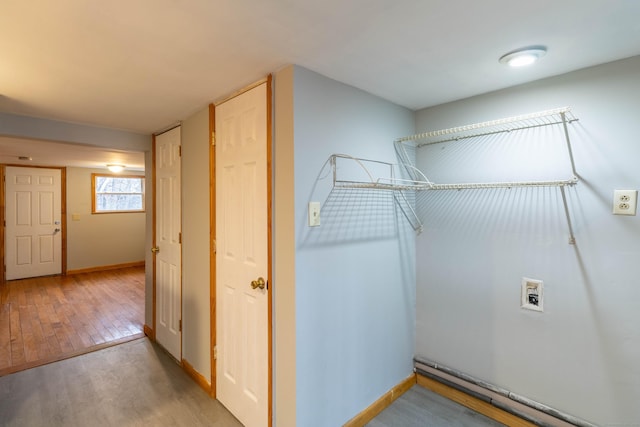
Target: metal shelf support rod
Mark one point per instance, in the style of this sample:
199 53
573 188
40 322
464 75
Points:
572 239
566 135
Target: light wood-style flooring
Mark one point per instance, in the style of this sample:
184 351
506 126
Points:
51 318
133 384
420 407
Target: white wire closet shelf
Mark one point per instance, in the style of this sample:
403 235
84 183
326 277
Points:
558 116
555 116
392 176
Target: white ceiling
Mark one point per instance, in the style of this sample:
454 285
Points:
47 153
146 64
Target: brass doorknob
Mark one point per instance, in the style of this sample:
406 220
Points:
260 283
155 249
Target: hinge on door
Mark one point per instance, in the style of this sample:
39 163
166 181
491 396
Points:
215 247
180 150
180 325
215 352
213 138
180 238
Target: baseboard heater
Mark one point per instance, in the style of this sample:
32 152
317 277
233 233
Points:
534 412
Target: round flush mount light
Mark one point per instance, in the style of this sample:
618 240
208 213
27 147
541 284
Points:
115 168
25 158
524 56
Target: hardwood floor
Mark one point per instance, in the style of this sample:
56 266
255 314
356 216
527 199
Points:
46 319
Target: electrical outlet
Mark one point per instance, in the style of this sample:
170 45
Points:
532 295
625 202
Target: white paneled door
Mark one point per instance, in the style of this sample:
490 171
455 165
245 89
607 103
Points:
33 239
242 363
167 247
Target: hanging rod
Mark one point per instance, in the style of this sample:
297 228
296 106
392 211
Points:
465 186
422 184
383 184
508 124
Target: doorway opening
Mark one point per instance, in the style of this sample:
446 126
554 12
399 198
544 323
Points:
47 316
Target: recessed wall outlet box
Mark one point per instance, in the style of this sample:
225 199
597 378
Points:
314 214
625 202
532 294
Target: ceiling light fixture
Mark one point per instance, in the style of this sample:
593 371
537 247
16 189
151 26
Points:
115 168
524 56
25 158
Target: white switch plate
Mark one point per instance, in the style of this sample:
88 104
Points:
314 214
625 202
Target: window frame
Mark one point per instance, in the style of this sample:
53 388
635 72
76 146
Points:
94 177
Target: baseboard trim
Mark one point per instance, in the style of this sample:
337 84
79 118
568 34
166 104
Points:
196 376
149 332
382 403
106 267
480 406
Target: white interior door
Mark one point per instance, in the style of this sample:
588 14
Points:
168 243
242 256
33 239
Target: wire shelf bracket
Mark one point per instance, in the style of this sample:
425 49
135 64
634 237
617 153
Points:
362 177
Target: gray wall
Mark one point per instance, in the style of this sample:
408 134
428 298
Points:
581 355
73 133
354 275
284 252
196 323
96 240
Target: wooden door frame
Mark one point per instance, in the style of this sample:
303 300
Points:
151 332
212 230
63 215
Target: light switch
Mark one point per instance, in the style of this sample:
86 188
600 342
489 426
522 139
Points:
314 214
75 217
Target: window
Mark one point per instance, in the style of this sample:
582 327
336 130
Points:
112 193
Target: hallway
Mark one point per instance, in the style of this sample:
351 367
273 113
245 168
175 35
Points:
133 384
46 319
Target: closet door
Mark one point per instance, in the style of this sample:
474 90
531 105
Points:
168 249
242 323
